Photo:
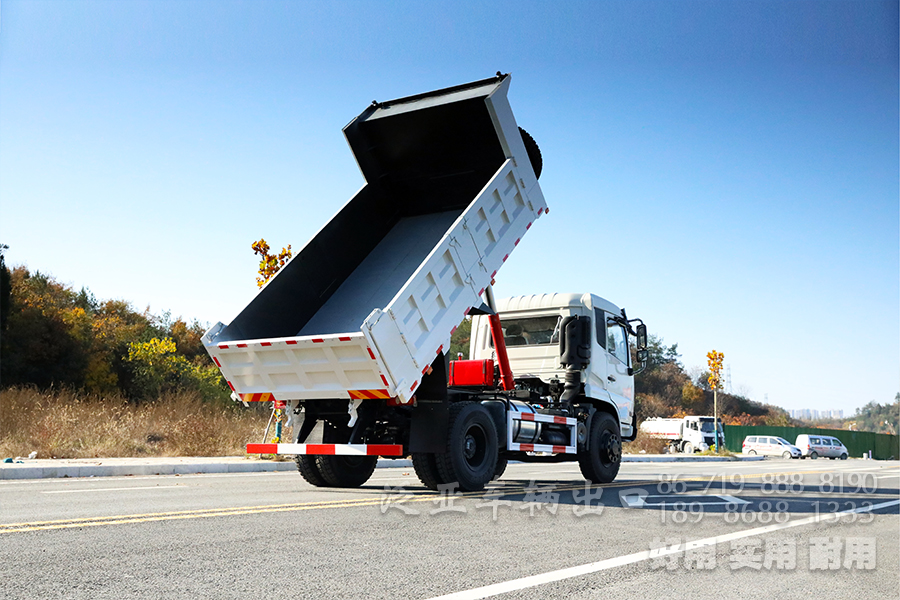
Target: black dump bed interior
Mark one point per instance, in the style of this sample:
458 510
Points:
424 158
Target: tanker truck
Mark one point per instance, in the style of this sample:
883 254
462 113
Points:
352 335
687 434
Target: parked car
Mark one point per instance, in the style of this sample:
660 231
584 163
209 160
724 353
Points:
815 446
769 445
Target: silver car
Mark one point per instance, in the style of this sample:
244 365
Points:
769 445
825 446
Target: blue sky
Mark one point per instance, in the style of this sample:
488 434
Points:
728 171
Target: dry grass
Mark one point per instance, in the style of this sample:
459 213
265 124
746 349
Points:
67 424
645 442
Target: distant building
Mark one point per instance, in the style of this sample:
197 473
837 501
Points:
806 414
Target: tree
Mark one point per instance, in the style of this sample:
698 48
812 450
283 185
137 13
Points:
269 264
714 359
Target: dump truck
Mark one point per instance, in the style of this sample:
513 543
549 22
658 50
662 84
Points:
687 434
351 337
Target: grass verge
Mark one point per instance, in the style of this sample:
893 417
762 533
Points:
70 424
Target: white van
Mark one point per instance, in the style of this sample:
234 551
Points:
769 445
815 446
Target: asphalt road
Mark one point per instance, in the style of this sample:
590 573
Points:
775 529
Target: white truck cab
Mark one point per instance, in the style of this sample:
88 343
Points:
531 327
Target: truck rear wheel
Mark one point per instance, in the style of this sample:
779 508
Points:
426 469
346 471
309 470
600 462
471 455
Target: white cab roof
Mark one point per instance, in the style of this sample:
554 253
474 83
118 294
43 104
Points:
539 301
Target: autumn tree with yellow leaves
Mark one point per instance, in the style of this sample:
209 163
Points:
269 264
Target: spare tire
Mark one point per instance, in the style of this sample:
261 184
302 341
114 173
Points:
534 153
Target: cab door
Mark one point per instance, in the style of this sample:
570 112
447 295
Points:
619 383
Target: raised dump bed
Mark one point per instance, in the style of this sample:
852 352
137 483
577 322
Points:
364 308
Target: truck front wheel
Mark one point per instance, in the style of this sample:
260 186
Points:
471 455
346 471
600 462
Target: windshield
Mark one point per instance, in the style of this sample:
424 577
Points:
783 442
530 331
707 426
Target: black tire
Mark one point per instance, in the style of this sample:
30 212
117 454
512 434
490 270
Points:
309 470
346 471
534 152
502 462
751 452
844 456
471 455
426 469
813 455
600 463
786 455
688 448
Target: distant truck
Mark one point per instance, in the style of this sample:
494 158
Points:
688 434
352 335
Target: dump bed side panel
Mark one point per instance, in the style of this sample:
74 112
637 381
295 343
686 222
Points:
418 322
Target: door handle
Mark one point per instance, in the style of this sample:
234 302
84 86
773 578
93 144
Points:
611 378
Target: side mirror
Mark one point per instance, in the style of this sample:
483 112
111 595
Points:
642 340
643 355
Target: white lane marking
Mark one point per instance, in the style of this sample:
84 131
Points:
619 561
640 500
149 487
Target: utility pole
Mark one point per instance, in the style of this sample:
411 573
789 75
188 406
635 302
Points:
714 360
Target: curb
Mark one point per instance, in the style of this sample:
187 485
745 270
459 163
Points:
118 467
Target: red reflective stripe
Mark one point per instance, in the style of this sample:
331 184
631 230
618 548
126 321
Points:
481 292
559 420
266 344
413 386
344 339
372 354
384 450
231 386
318 340
505 257
559 449
466 312
526 447
291 342
517 242
385 380
528 416
540 211
262 448
223 346
493 274
527 227
452 331
218 364
320 448
424 370
242 345
441 347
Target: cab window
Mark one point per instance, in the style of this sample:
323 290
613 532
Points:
616 342
813 440
825 442
529 332
751 439
600 323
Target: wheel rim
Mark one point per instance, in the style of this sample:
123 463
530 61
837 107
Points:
475 446
611 447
